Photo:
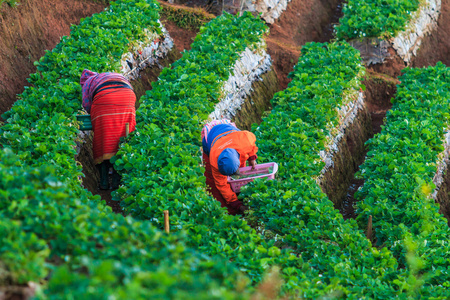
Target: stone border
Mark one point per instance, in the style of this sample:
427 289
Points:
345 149
270 9
442 165
145 53
441 179
441 194
348 113
246 70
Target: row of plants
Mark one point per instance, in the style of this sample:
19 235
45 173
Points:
160 162
49 230
41 125
167 142
375 18
186 17
301 125
52 227
398 175
405 164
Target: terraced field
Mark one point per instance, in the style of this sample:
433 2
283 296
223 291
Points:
307 233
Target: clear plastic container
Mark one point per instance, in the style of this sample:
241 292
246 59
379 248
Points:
261 171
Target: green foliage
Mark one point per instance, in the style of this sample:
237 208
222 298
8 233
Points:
187 18
327 76
12 3
101 254
41 125
22 254
375 18
322 255
163 153
161 161
399 171
49 216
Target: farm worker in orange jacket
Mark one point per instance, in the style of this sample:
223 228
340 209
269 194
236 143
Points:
110 99
225 149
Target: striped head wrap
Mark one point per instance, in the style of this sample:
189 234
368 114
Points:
90 81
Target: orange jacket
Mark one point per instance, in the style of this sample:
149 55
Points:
244 143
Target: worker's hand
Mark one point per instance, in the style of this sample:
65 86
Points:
252 163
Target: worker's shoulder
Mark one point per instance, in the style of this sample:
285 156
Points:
245 134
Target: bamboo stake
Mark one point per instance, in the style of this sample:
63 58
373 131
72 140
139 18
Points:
369 228
127 129
166 221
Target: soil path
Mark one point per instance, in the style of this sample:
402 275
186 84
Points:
303 21
29 29
380 88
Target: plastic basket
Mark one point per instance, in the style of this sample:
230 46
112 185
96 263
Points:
85 122
236 184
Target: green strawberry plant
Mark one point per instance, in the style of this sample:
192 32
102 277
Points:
326 77
375 18
41 125
160 163
167 143
294 207
91 252
398 174
55 227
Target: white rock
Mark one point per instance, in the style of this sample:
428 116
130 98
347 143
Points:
423 22
270 9
145 53
249 68
443 161
347 114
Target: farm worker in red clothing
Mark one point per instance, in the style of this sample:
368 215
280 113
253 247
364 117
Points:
110 99
225 149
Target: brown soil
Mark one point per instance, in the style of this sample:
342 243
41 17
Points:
380 88
18 292
182 37
349 155
392 67
303 21
28 30
106 195
436 47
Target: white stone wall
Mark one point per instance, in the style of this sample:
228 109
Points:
348 112
442 165
407 42
270 9
249 68
145 53
424 21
